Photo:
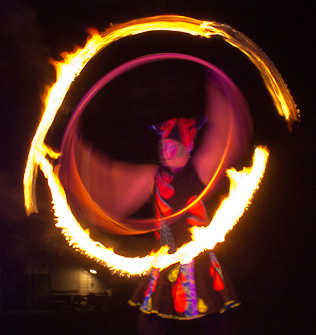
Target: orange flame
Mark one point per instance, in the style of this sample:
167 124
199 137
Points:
243 186
71 66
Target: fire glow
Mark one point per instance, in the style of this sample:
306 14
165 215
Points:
243 184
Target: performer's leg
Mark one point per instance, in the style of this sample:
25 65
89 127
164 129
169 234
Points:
217 324
151 324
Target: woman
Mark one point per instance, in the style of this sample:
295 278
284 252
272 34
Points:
199 289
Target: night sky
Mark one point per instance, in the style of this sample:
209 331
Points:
271 252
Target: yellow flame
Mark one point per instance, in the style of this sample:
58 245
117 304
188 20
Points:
243 186
73 63
71 66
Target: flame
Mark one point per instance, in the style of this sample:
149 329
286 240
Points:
243 186
70 67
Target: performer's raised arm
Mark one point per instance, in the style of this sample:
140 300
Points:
118 187
227 131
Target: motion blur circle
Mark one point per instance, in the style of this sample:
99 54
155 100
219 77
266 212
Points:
41 156
71 147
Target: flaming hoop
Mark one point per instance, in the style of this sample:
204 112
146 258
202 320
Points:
243 183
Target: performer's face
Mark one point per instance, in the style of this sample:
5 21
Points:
173 154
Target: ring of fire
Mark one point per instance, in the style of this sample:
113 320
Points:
73 123
243 183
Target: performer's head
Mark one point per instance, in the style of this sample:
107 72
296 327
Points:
173 154
176 141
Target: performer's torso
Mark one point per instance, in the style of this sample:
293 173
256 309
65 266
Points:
175 191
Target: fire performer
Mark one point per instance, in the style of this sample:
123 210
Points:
201 288
191 289
197 289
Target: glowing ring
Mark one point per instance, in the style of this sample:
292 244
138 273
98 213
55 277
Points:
128 66
66 73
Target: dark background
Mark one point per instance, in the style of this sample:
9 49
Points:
270 254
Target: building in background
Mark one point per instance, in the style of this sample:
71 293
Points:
45 285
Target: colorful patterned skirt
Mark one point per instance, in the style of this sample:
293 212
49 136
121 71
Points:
186 291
